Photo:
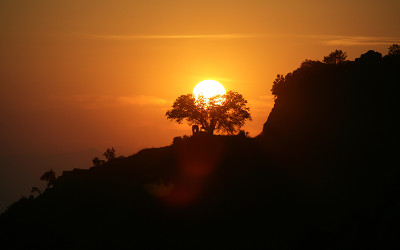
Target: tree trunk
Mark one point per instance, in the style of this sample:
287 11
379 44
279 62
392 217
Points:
210 130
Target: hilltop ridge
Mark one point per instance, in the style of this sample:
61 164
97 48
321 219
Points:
320 175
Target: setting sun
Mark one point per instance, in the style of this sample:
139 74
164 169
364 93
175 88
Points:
209 88
221 123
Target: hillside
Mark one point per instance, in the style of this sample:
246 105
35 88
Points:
322 174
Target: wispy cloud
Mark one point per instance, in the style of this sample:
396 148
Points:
356 40
325 39
158 37
94 102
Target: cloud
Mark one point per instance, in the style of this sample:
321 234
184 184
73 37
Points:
158 37
326 39
356 40
94 102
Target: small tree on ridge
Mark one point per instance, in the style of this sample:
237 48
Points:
394 49
109 154
49 177
335 57
226 113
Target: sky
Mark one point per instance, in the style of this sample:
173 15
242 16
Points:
88 75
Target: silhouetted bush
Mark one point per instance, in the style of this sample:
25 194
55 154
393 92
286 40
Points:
308 63
176 140
49 177
277 85
370 57
394 50
97 162
36 190
109 154
335 57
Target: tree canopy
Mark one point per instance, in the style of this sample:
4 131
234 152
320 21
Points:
226 113
97 162
394 49
109 154
277 85
49 177
335 57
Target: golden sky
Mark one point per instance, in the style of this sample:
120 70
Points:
95 74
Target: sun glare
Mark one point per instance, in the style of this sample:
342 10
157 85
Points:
209 88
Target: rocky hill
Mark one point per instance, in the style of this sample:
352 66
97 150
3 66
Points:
323 174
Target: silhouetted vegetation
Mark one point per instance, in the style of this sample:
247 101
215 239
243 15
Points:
97 162
35 190
110 154
277 85
335 57
394 50
226 113
322 175
49 177
179 139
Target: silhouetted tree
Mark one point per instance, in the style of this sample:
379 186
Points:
277 85
110 153
308 63
176 139
35 190
335 57
394 49
369 57
226 113
49 177
97 162
179 139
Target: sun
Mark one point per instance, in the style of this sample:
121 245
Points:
209 88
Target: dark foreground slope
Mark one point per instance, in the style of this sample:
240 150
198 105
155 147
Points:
194 193
322 175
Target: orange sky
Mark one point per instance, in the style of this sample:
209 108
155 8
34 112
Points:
95 74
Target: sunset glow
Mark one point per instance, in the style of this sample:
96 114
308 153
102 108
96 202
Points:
209 88
199 124
77 77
